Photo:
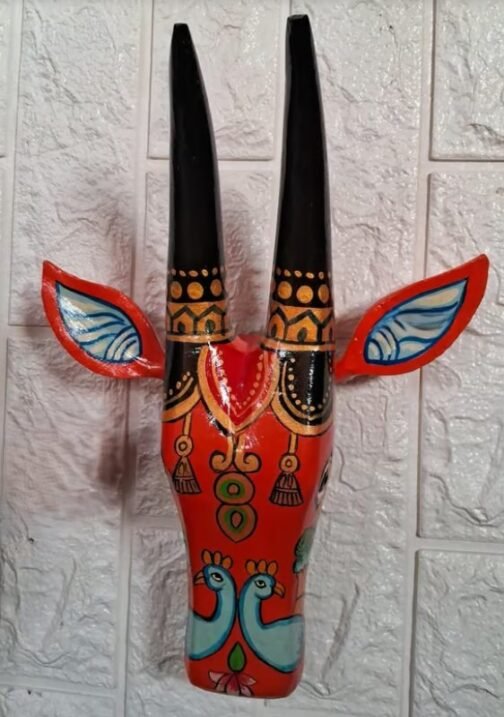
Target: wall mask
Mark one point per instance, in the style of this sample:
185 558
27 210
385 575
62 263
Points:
247 419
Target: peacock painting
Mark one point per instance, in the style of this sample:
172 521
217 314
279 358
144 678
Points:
278 643
207 635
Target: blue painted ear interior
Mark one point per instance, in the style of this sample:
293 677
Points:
100 329
414 326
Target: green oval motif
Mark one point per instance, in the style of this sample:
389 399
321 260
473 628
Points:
234 488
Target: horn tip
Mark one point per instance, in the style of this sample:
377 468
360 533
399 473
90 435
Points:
298 21
181 33
299 33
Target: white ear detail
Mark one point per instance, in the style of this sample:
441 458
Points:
100 329
413 327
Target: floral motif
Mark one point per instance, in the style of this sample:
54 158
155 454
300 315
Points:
235 682
232 683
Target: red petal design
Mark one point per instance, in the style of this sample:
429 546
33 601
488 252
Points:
237 381
233 686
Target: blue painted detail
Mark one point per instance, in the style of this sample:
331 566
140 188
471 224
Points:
279 643
204 636
414 326
102 330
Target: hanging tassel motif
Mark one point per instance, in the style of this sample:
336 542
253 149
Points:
184 480
286 490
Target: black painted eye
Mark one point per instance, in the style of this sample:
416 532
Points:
323 481
217 577
260 583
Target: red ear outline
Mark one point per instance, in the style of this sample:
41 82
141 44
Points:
150 364
352 362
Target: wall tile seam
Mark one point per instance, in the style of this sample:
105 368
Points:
410 704
7 176
415 382
469 161
13 46
125 565
420 543
233 163
28 331
51 684
460 546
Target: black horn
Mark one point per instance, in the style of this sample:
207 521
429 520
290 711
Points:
301 321
196 311
196 293
301 315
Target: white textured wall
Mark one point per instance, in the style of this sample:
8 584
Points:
406 591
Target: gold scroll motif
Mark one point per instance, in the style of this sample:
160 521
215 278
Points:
181 398
300 418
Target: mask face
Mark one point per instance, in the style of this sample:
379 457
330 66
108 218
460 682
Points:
247 428
247 444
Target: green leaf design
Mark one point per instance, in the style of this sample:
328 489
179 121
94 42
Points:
302 549
236 658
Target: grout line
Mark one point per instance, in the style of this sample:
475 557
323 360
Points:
429 55
244 165
247 165
279 107
465 165
276 163
18 331
7 176
449 545
259 160
47 684
412 639
147 57
412 473
158 522
415 382
425 166
134 392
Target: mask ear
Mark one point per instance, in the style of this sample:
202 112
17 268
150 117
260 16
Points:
100 327
415 325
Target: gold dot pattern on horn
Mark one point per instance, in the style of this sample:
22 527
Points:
284 290
324 293
195 290
197 306
175 290
304 294
300 315
216 287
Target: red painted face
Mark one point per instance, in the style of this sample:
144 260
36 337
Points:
248 469
247 421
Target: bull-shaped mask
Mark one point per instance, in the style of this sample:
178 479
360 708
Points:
247 420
